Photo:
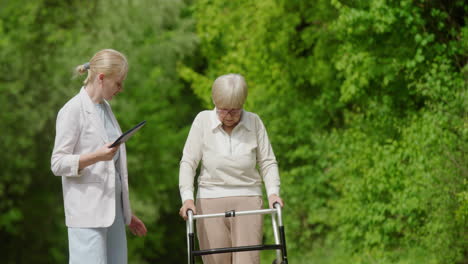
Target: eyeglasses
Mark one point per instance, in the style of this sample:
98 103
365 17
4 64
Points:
232 112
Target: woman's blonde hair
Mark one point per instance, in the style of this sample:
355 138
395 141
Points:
229 91
107 61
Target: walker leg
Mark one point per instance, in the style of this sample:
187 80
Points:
281 234
277 239
190 238
192 248
283 245
189 251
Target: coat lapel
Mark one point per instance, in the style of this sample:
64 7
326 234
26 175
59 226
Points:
90 111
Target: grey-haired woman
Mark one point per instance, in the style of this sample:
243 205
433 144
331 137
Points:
230 143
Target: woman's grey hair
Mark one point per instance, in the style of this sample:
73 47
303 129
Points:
229 91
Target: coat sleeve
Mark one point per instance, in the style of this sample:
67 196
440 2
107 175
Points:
63 161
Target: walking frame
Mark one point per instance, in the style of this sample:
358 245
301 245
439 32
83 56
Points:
278 232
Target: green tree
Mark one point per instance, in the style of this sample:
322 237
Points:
41 42
365 103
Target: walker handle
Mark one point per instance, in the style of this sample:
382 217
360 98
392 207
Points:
189 212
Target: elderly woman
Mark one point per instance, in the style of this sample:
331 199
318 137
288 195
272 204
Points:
230 142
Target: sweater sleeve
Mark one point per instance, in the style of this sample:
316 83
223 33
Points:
191 157
266 160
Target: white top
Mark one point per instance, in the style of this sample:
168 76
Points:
111 130
229 162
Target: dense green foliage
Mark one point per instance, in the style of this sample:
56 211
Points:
41 42
364 101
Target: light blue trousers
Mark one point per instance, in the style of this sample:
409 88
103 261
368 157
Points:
101 245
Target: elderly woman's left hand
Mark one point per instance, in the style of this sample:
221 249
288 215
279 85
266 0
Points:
272 199
137 227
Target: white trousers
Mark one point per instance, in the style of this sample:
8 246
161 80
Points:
100 245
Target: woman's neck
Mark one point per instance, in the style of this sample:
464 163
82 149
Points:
93 93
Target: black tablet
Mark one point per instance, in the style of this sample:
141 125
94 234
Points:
125 136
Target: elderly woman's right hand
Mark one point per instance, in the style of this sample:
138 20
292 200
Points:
106 153
188 204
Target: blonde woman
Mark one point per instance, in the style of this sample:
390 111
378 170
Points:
230 142
94 176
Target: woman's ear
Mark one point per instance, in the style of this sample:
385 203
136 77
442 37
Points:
101 76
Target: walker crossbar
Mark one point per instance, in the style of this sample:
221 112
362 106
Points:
278 232
233 213
234 249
